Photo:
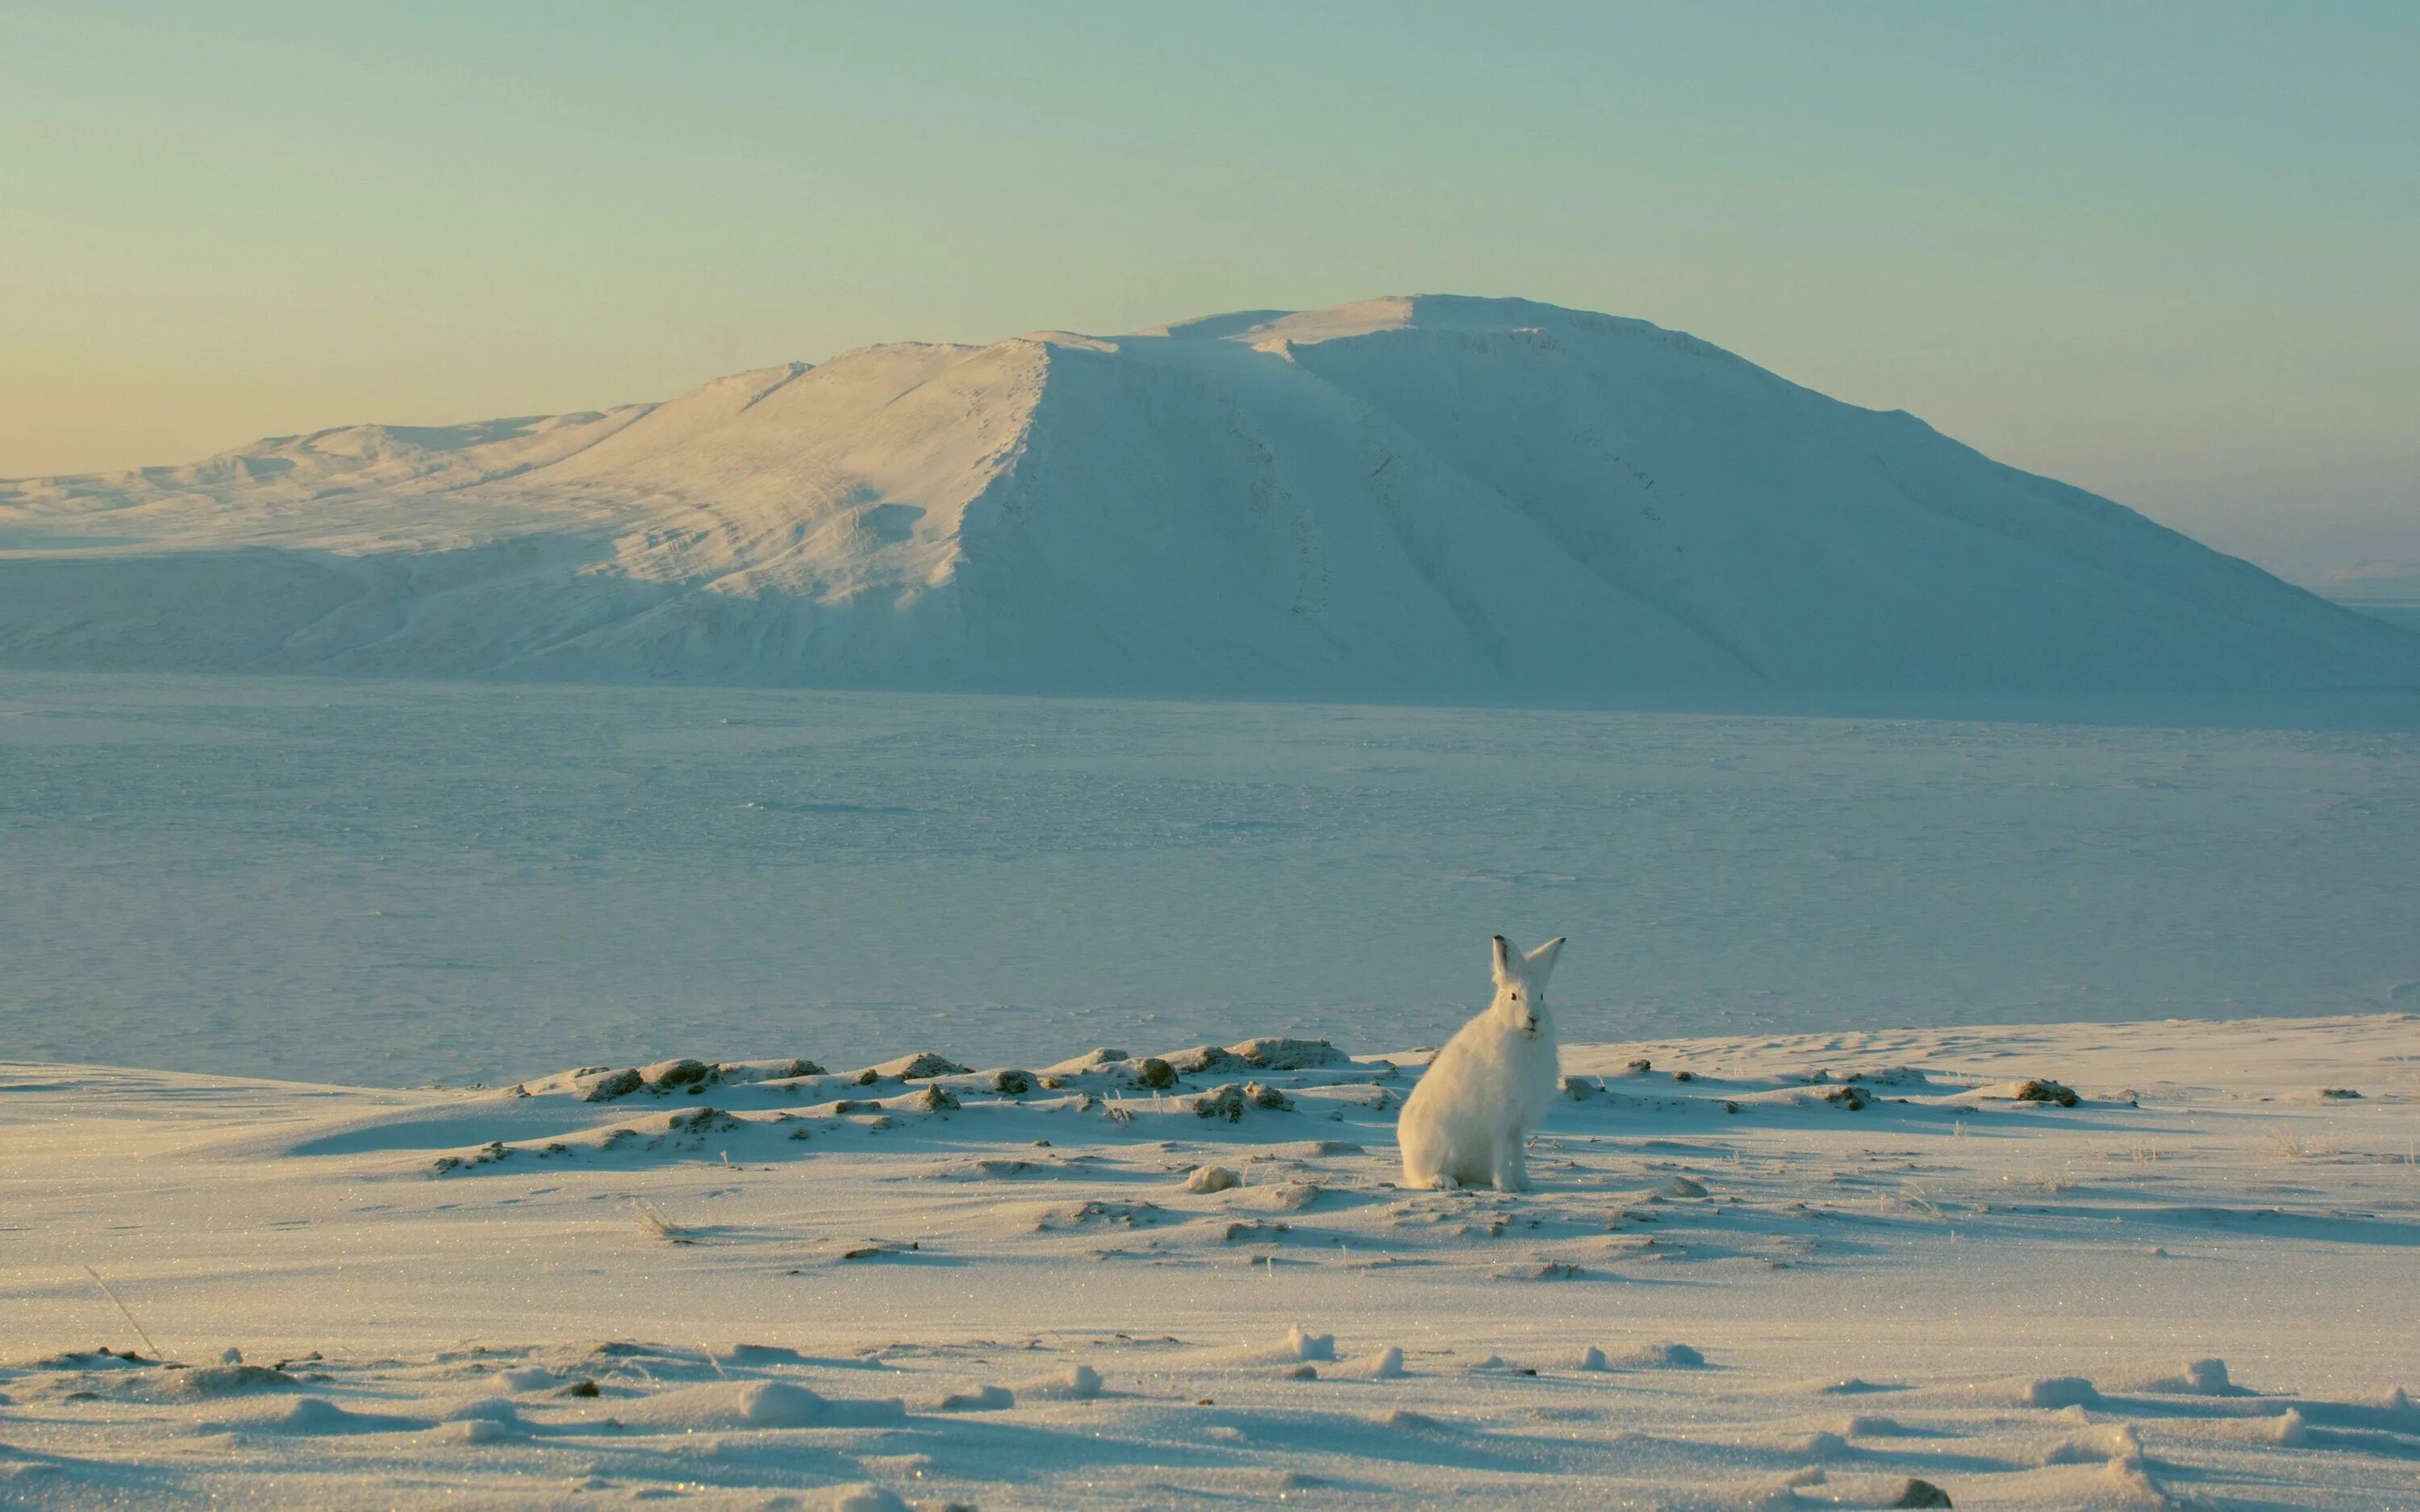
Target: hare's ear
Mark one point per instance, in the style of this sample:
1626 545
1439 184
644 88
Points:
1505 957
1541 960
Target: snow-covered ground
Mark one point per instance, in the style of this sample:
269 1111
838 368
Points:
384 882
1761 1271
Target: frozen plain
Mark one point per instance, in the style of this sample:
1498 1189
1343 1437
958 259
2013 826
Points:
270 887
388 883
1764 1273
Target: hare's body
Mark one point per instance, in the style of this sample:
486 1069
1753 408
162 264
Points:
1466 1122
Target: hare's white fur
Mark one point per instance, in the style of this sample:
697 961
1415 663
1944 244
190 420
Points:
1465 1123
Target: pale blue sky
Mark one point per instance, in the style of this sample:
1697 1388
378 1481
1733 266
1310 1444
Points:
2168 252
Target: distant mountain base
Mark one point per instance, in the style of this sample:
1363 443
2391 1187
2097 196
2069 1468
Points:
1426 500
2404 613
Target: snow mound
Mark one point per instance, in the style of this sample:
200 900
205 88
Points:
754 1404
1298 1346
2200 1377
1075 1383
1660 1357
229 1381
2062 1391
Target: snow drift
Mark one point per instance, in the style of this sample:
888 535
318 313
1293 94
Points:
1428 498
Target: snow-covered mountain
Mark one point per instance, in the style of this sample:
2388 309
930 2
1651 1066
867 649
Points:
1431 498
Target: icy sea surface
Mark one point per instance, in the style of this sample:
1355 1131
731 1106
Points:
396 882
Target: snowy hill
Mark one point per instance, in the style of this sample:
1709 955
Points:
1452 499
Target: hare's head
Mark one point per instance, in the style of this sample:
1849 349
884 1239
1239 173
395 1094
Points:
1520 982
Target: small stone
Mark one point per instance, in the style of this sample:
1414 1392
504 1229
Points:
1206 1058
683 1073
1228 1102
921 1066
612 1084
2035 1090
1921 1494
1641 1066
1277 1053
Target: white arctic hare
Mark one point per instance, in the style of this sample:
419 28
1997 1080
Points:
1465 1123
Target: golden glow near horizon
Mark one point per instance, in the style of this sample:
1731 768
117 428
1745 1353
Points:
2165 254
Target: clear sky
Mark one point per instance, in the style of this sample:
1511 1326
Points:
2167 251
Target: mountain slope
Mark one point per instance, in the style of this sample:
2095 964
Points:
1487 501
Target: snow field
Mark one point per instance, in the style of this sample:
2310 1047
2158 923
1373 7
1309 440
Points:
1736 1285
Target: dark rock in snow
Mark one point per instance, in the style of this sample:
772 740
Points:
606 1088
921 1066
1275 1052
1206 1059
684 1072
1228 1102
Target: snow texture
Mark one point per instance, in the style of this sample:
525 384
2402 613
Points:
2189 1288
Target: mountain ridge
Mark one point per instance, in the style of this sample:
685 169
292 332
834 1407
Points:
1423 498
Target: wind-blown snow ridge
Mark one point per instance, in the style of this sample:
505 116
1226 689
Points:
1430 498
